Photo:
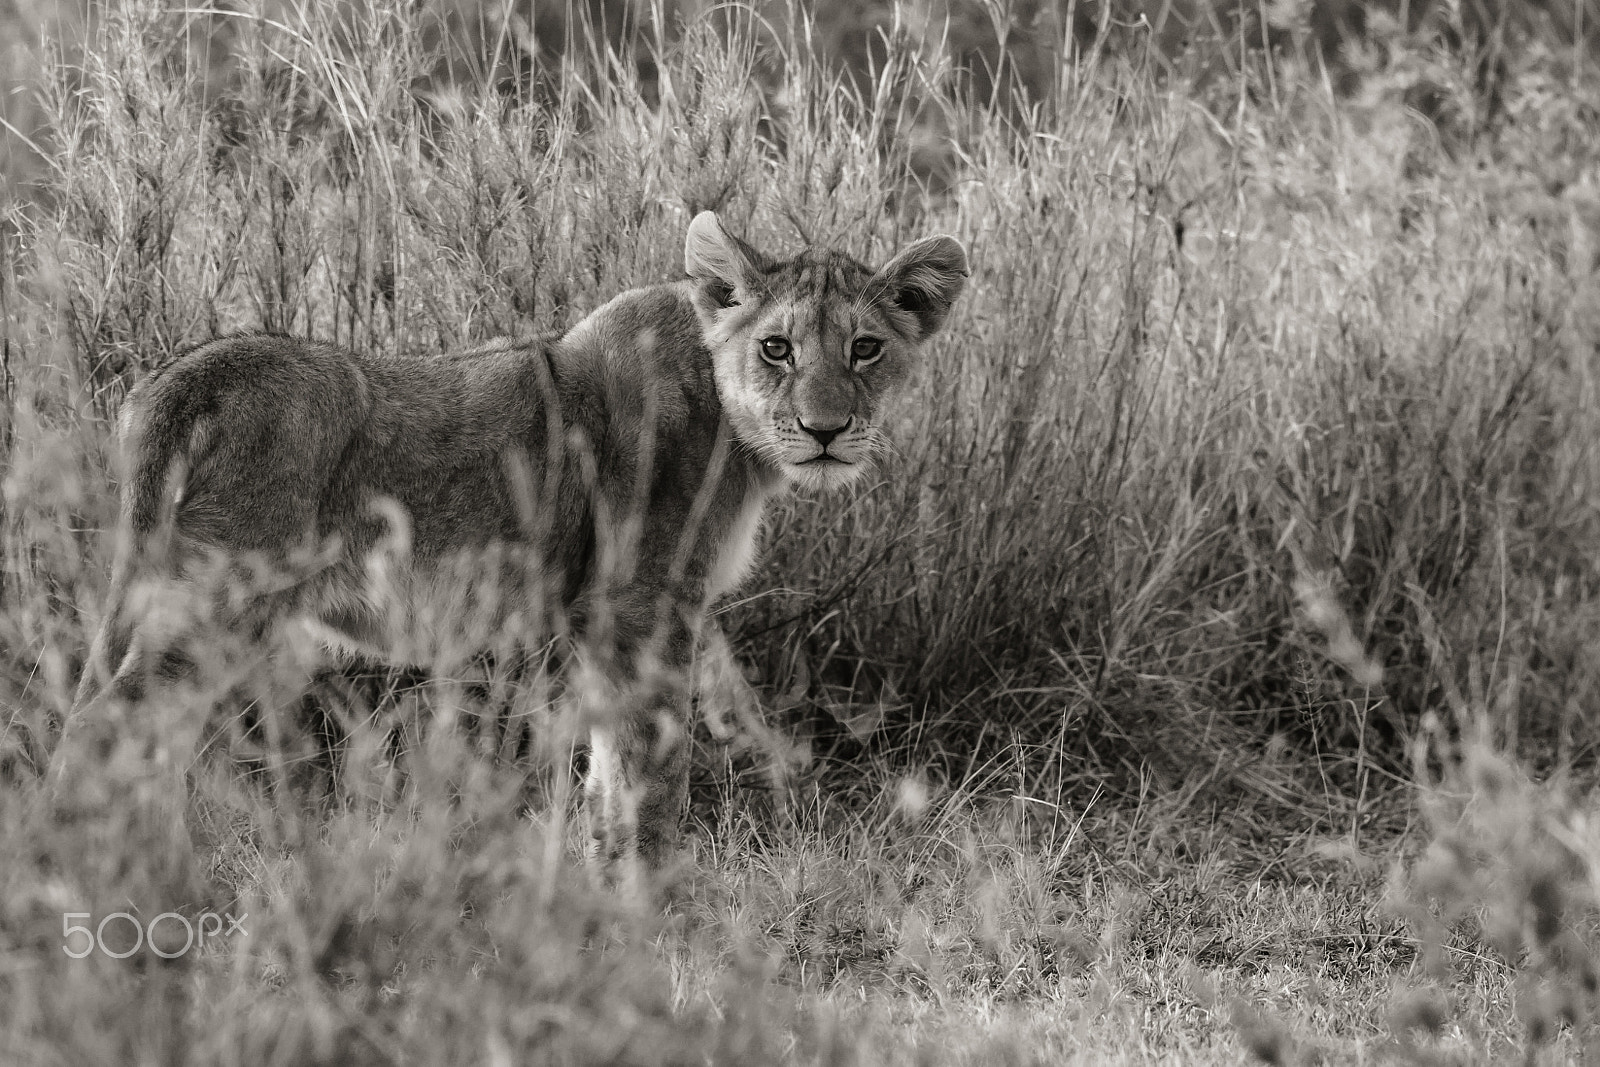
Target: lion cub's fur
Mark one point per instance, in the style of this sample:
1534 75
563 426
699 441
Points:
614 479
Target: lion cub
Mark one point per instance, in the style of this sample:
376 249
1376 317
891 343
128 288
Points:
612 482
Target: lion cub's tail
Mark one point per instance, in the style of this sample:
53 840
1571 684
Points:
157 430
154 431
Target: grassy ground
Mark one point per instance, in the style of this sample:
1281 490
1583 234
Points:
1210 674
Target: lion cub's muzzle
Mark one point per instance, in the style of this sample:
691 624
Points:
825 452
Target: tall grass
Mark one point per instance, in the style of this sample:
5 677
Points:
1262 432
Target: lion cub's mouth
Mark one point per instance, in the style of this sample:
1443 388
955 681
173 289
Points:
823 471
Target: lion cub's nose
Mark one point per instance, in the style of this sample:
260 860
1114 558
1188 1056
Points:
825 434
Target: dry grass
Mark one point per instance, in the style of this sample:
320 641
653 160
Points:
1249 498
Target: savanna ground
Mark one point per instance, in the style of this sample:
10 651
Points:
1211 674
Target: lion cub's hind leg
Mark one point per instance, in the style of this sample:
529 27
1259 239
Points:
118 776
172 648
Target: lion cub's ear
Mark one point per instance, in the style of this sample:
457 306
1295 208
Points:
720 261
922 282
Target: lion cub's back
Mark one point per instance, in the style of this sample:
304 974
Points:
255 422
281 438
238 376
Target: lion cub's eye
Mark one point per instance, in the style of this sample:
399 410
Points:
775 350
866 349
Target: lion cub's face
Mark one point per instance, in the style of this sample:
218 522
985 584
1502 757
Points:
810 353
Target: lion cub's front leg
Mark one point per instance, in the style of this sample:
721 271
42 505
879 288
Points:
638 780
637 787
